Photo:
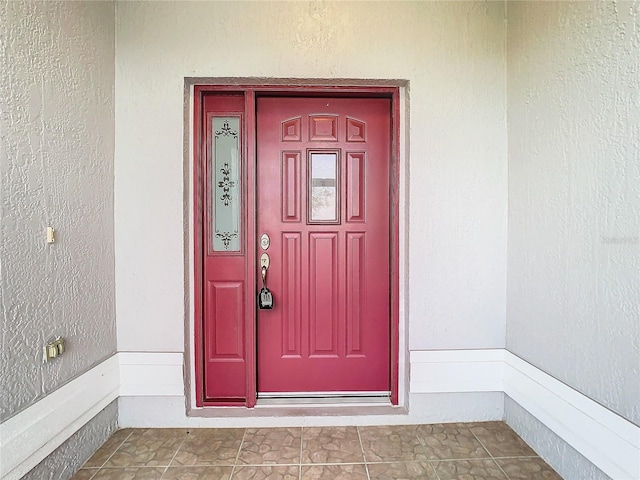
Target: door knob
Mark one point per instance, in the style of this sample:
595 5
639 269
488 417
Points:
265 297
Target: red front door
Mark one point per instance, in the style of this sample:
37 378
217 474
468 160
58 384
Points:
323 199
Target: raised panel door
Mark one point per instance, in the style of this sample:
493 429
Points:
323 186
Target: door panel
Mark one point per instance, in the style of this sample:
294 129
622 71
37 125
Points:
323 183
224 265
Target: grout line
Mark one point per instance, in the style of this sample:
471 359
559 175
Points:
481 444
94 473
505 473
433 467
144 467
436 460
457 459
423 442
492 458
301 443
364 458
112 454
509 457
235 463
176 453
116 449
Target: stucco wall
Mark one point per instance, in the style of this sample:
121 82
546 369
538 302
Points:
72 454
453 55
56 168
564 459
573 299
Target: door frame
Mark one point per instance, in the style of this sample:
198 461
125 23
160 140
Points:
195 339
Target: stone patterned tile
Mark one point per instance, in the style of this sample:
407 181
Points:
267 472
401 471
334 472
85 474
392 443
108 448
219 446
500 440
450 441
142 473
149 448
527 469
398 452
197 473
331 445
469 470
262 446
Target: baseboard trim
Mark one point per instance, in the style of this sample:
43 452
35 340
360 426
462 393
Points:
606 439
30 436
457 371
144 374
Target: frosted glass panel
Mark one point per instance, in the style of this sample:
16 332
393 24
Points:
323 188
226 184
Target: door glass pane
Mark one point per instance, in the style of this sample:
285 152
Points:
323 187
226 184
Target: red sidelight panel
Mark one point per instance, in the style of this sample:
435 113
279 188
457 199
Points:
225 360
226 316
221 175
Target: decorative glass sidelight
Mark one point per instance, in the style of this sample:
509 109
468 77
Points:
324 200
226 184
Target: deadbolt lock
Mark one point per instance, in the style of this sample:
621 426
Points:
265 241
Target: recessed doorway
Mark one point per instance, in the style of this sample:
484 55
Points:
296 195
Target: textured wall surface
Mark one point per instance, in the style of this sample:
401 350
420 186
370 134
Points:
573 298
56 168
560 455
71 455
452 53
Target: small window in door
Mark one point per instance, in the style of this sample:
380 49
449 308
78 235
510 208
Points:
323 187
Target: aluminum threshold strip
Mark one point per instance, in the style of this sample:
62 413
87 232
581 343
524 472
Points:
306 398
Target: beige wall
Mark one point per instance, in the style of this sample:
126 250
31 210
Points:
453 55
573 298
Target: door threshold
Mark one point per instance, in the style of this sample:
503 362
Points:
323 398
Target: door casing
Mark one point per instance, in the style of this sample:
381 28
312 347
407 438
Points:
251 93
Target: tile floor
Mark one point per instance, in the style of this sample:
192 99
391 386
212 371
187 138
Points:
465 451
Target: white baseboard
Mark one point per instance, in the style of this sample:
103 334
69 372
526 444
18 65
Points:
457 371
151 374
30 436
607 440
170 412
